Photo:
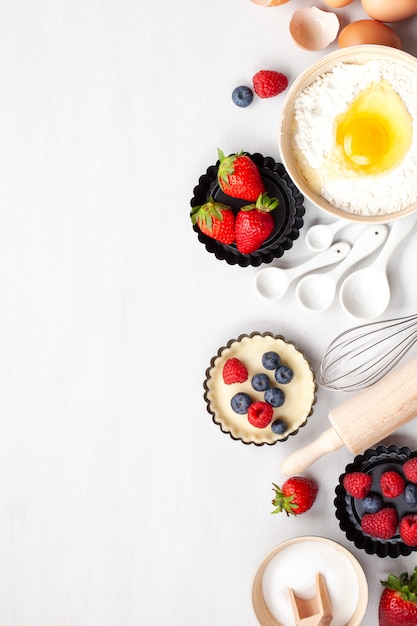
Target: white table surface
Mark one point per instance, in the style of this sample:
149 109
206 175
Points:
121 503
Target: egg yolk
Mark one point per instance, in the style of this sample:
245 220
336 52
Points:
375 133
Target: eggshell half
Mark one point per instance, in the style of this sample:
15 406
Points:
314 29
390 10
368 32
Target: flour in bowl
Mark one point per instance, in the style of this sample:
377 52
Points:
354 136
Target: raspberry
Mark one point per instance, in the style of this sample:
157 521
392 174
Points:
410 470
260 414
392 484
357 484
408 530
268 83
234 371
382 524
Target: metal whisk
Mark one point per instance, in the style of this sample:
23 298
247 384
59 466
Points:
360 356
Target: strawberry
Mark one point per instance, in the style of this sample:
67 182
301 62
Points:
296 496
239 177
260 414
392 484
254 224
234 371
410 469
408 530
215 220
398 602
357 484
382 524
268 83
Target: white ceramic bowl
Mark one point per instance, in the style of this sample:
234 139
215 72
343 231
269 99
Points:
293 564
354 54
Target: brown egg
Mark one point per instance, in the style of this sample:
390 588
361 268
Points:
368 32
337 4
389 10
269 3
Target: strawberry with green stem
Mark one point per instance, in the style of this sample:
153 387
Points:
297 495
216 220
398 602
254 224
239 177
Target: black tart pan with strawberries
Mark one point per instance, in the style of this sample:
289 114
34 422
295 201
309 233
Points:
349 510
288 216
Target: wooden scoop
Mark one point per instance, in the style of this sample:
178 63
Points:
315 611
363 420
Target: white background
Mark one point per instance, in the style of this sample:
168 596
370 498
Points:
121 503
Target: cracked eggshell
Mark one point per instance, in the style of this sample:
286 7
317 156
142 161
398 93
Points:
314 29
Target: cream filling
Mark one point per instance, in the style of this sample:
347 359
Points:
299 393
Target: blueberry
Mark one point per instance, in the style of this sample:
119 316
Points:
410 494
279 426
242 96
371 503
274 396
240 403
271 360
260 382
284 374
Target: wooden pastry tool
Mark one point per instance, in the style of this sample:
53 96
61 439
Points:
315 611
364 419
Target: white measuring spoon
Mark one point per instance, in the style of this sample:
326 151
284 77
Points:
272 282
320 236
366 293
316 292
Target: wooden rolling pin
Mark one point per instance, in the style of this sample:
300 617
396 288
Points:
364 419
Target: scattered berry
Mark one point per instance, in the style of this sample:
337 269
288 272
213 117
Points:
279 426
240 403
284 374
274 396
296 496
408 530
260 414
268 83
254 224
242 96
357 484
382 524
234 371
410 470
271 360
216 220
392 484
398 602
371 503
239 177
260 382
410 494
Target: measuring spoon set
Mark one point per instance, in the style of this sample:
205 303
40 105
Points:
364 294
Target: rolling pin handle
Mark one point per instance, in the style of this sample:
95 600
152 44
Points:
298 461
